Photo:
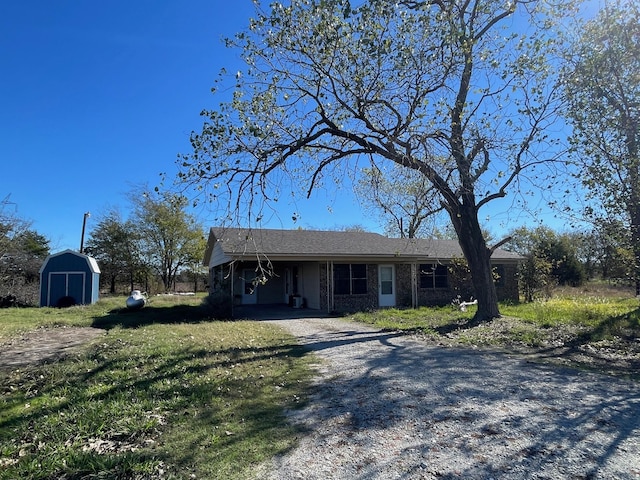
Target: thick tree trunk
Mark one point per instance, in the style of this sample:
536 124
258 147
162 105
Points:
478 256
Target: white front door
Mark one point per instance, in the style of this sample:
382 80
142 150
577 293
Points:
249 289
386 286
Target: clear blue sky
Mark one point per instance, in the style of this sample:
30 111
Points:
97 97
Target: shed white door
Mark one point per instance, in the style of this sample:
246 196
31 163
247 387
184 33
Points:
386 286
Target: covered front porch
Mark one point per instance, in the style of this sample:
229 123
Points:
326 285
294 284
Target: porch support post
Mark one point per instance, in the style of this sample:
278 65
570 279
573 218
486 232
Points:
329 286
414 286
232 291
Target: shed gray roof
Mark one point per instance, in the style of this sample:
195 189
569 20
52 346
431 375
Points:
242 243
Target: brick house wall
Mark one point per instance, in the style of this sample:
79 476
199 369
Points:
352 303
506 288
404 285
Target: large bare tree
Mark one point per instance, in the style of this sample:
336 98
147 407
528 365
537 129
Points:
459 91
403 199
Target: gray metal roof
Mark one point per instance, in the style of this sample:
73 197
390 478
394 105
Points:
242 243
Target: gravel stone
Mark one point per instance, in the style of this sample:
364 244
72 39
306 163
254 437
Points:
387 406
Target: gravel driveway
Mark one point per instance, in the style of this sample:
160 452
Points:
386 406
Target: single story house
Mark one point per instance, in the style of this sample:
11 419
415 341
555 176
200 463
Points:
337 271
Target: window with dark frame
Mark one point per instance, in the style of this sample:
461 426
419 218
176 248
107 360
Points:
433 276
341 279
350 279
358 279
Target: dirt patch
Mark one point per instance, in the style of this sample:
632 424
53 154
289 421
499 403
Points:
45 345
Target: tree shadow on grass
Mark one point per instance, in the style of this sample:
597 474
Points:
626 326
126 318
612 346
452 326
461 323
186 393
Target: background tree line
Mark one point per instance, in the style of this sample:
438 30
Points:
22 251
158 246
161 244
551 259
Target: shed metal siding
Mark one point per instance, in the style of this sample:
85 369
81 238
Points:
69 274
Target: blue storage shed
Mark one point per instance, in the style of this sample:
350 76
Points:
69 278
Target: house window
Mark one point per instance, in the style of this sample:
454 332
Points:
433 276
349 279
218 277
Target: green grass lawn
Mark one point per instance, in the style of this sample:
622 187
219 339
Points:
165 393
571 317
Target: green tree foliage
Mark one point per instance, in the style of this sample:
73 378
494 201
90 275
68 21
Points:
602 85
170 238
22 252
550 259
453 90
159 240
194 269
617 259
535 271
561 252
607 252
535 277
30 250
589 252
33 243
116 246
